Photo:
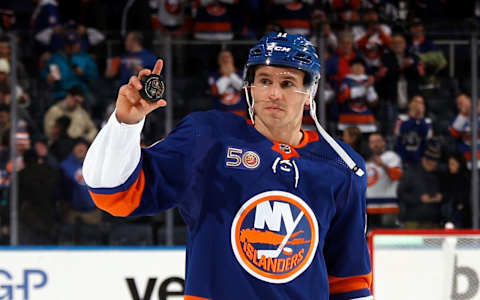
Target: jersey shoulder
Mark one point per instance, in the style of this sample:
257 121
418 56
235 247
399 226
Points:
321 149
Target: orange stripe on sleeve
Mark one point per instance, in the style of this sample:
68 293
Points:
188 297
121 204
394 173
349 284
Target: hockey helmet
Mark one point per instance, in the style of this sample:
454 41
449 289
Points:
284 50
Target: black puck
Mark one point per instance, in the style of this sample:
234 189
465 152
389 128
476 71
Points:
153 87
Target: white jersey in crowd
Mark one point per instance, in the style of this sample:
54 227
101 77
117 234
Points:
383 183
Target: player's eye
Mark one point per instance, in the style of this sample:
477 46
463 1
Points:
287 84
265 82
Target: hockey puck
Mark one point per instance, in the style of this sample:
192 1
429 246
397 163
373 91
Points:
153 87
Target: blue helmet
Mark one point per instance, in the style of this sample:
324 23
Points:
285 50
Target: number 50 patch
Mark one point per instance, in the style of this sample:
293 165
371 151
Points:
241 159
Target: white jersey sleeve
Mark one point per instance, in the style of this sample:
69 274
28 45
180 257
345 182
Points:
113 155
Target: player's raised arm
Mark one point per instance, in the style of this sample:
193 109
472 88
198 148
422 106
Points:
115 153
131 108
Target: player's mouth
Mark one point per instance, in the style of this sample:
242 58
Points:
274 108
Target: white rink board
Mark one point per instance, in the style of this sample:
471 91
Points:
88 273
427 274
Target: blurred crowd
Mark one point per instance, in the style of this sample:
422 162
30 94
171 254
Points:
388 93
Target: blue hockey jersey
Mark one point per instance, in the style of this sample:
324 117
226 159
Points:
265 220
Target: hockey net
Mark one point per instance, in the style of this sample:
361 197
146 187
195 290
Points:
425 264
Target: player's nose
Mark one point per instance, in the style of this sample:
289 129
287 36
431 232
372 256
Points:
274 92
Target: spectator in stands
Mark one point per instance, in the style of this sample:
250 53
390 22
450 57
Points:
399 74
88 36
460 129
372 38
346 10
5 85
213 19
78 205
456 191
353 137
22 144
40 146
61 143
294 15
37 184
384 170
4 123
226 85
420 194
431 56
45 15
357 96
321 25
412 132
81 124
337 65
135 58
70 67
6 53
23 116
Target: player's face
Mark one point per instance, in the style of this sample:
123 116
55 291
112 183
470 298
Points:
279 96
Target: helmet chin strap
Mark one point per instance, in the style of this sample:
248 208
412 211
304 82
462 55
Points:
343 155
250 104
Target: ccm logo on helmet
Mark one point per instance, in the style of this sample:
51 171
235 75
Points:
274 47
274 236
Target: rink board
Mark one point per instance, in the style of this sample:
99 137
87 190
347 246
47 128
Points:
120 273
425 266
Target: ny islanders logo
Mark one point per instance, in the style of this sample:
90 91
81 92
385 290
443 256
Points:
274 236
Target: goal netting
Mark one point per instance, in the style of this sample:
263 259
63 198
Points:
426 264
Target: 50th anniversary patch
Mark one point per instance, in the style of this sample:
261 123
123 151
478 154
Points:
274 236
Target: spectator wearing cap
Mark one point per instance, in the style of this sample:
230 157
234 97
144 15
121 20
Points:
428 52
71 106
226 85
22 144
69 67
461 127
372 38
132 61
384 171
77 203
413 131
5 85
357 96
420 193
399 75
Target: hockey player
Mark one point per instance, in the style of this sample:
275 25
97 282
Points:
273 212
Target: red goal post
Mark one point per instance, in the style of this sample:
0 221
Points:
425 264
